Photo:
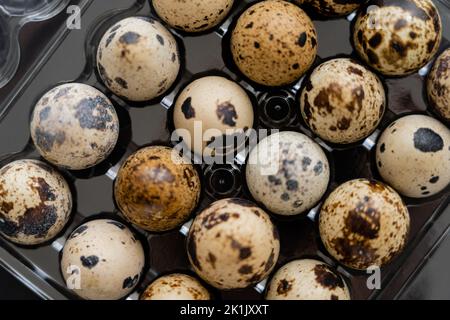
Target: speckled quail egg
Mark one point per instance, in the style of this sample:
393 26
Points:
307 279
233 244
138 59
220 106
274 43
438 87
342 101
102 260
156 189
176 287
413 156
332 8
288 173
364 223
397 37
74 126
35 202
194 15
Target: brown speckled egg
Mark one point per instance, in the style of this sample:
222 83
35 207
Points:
288 173
156 189
274 43
102 260
397 37
364 223
332 8
438 87
193 15
413 156
176 287
220 106
233 244
35 202
307 279
138 59
74 126
342 101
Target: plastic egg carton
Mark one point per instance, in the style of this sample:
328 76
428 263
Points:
71 57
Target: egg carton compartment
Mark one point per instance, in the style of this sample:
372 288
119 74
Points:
150 123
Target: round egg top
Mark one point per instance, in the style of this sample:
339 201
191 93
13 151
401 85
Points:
307 279
193 15
413 156
74 126
438 87
102 260
342 101
364 223
397 37
288 173
220 107
138 59
35 202
332 8
176 287
274 43
156 189
233 244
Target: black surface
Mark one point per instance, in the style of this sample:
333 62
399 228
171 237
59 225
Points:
12 289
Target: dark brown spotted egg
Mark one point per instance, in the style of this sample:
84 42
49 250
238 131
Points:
397 37
176 287
413 156
156 189
35 202
364 223
102 260
332 8
438 87
274 43
307 279
193 15
233 244
74 126
342 101
138 59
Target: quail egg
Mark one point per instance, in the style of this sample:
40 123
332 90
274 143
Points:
102 260
222 109
342 101
274 43
156 189
332 8
194 15
397 38
288 173
176 287
138 59
413 156
35 202
74 126
439 85
364 223
233 244
307 280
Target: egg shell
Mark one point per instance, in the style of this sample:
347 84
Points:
342 101
307 279
35 202
397 38
413 156
233 244
364 223
156 190
438 85
106 259
274 43
138 59
332 8
288 173
176 287
74 126
193 15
